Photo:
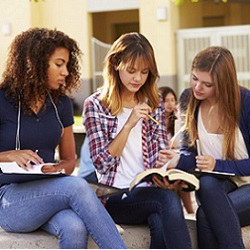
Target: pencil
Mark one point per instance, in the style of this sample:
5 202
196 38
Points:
149 116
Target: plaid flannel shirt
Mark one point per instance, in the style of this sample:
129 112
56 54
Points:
101 129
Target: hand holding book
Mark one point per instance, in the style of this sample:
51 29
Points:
165 184
172 175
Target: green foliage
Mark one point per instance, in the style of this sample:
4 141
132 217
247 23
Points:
36 1
178 2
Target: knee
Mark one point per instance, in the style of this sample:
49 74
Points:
75 229
71 230
170 201
76 185
77 189
74 235
208 184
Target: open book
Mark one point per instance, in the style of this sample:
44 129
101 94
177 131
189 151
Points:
11 173
171 174
104 191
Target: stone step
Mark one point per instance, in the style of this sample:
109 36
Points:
134 237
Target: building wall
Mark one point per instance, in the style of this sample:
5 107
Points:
16 13
73 18
161 33
245 17
69 17
104 22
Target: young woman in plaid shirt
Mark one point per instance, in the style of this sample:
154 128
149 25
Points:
123 141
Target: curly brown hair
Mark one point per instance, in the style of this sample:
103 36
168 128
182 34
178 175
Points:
25 76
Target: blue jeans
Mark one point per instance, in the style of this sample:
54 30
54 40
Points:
91 177
161 209
66 207
224 209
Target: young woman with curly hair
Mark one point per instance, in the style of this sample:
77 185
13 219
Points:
36 116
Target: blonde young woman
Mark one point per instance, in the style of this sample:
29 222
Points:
123 141
218 115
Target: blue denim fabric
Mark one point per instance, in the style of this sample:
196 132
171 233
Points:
86 164
91 178
218 224
161 209
66 207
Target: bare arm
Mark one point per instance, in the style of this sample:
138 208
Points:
66 153
67 150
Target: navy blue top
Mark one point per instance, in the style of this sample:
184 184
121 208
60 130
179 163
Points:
40 132
239 167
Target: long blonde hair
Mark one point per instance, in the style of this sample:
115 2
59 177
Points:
124 52
219 62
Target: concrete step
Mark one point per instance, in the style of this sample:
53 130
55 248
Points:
133 236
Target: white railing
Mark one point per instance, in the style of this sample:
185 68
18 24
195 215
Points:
191 41
99 51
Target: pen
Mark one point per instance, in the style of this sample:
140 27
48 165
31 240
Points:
149 116
28 162
198 147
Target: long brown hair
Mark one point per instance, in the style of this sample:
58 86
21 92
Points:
25 76
170 118
219 62
125 51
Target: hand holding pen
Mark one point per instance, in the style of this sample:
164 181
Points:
24 158
204 162
30 163
141 110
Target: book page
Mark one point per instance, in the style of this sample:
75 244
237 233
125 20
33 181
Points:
184 176
13 167
173 161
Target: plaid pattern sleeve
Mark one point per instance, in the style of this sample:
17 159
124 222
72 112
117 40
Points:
155 138
101 129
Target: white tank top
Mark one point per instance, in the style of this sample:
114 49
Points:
131 160
211 144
